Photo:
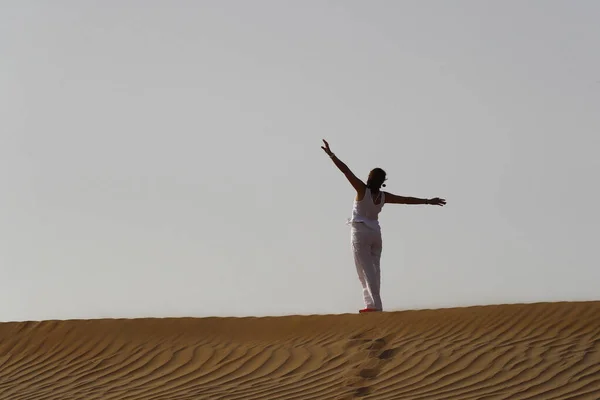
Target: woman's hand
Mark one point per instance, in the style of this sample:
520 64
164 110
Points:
436 201
326 148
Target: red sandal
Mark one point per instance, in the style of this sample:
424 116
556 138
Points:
365 310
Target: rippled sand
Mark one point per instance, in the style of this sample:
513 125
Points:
536 351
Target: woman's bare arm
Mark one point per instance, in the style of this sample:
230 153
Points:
358 185
395 199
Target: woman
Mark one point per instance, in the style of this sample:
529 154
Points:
365 229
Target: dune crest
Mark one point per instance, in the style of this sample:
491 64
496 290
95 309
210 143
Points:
523 351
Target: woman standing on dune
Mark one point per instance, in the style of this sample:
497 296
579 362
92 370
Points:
365 228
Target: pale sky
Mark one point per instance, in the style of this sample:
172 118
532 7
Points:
162 158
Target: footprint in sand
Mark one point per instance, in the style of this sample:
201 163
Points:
369 363
369 373
387 354
377 344
362 391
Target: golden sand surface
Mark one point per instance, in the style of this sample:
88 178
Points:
521 351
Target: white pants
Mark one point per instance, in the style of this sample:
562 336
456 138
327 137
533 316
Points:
367 246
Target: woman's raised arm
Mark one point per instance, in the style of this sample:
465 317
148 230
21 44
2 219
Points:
358 185
395 199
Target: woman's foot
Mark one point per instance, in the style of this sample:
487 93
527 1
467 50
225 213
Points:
365 310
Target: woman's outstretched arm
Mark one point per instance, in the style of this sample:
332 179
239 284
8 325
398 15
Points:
358 185
394 199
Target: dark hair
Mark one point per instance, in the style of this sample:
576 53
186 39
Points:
376 179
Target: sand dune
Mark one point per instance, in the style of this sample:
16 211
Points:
536 351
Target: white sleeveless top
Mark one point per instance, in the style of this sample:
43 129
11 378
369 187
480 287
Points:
366 211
